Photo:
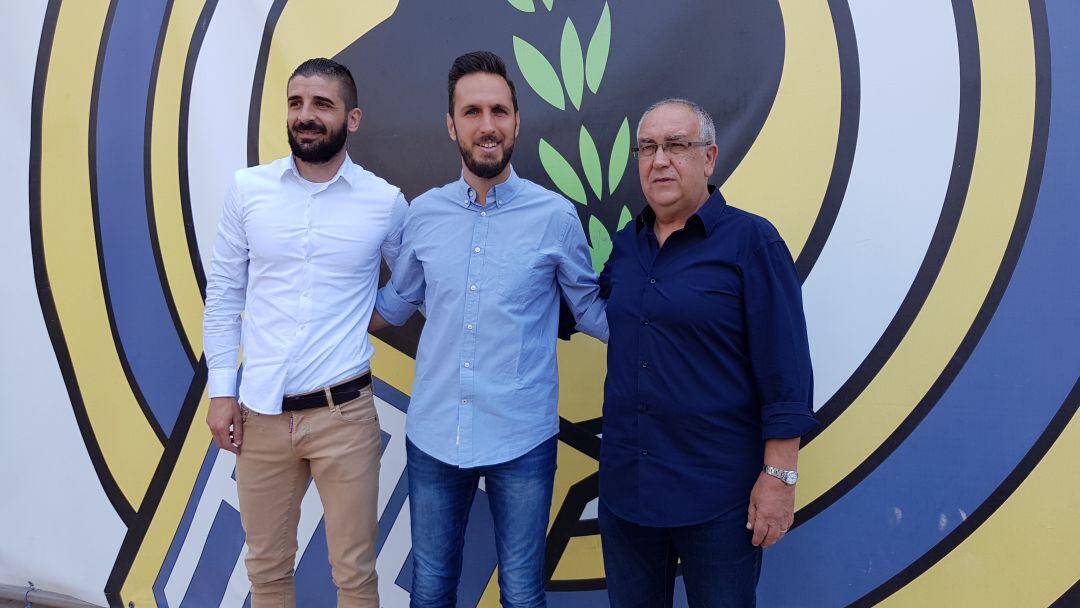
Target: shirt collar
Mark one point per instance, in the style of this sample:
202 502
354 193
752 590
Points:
345 171
499 195
706 218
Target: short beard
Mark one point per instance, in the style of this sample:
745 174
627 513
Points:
485 170
320 152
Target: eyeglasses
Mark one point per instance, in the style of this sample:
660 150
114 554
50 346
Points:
671 148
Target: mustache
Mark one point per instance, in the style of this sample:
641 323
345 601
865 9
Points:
309 127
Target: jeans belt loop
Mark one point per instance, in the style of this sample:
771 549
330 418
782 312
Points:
330 399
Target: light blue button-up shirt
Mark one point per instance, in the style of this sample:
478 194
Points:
489 276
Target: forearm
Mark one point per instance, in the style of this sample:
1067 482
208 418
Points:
782 453
377 322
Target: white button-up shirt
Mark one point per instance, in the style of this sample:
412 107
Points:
300 260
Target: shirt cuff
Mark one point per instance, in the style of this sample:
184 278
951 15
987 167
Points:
221 383
393 307
786 420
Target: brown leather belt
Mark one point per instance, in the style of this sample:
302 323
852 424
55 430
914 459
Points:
340 393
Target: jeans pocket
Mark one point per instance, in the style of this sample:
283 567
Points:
360 410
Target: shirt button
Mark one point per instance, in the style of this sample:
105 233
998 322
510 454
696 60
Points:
651 281
467 364
469 326
646 322
644 364
464 402
476 250
644 452
483 214
472 287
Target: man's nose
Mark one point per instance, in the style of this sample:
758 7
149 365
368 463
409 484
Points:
487 123
307 112
661 158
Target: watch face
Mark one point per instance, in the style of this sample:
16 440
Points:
791 477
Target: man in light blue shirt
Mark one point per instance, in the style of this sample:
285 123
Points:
486 256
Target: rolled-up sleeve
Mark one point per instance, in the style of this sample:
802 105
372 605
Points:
391 245
226 289
578 282
404 292
778 346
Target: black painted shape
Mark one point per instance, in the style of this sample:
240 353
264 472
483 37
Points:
727 56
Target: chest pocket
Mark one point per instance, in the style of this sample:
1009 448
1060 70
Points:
522 274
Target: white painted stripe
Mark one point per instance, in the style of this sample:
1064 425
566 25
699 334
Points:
909 109
218 117
57 527
219 488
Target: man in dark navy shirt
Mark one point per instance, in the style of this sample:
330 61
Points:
709 381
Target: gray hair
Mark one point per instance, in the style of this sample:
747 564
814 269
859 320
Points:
706 129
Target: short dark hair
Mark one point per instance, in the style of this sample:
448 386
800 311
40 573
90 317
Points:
478 62
328 68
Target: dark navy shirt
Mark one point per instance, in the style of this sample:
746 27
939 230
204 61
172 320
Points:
707 358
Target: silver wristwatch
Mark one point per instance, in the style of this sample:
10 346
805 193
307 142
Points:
788 477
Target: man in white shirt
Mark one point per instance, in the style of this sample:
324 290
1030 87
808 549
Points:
298 252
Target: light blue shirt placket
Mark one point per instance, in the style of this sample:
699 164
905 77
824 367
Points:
475 286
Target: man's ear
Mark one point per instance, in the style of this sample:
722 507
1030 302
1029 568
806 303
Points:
450 128
710 159
354 119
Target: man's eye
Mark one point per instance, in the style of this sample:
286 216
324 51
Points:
677 146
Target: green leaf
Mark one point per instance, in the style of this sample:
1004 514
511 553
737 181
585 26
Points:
601 243
573 69
620 153
561 173
590 161
538 73
525 6
624 218
596 60
549 3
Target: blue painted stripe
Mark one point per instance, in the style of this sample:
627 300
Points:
185 524
153 349
219 555
390 394
1013 384
314 583
392 510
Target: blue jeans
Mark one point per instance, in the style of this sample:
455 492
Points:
720 567
440 496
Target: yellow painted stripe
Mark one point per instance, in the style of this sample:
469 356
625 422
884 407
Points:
990 211
786 172
1026 554
392 366
582 369
128 444
165 176
295 40
139 585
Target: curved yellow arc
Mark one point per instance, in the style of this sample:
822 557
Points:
164 172
784 175
1007 116
295 41
128 444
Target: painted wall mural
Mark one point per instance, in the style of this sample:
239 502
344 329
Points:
918 157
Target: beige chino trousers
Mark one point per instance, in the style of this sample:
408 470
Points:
339 446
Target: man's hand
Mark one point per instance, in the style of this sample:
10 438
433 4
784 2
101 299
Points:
226 423
772 510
